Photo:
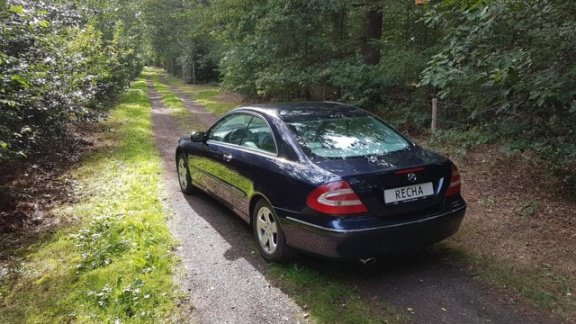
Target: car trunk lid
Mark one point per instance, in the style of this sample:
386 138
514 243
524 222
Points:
396 184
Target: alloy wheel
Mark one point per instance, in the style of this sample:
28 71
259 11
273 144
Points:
182 173
267 230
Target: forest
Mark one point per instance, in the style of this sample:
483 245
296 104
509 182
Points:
94 95
503 70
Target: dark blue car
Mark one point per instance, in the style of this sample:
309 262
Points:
325 178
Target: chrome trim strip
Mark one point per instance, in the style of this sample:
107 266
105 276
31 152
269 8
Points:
340 231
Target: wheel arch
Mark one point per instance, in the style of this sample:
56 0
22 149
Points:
253 201
179 151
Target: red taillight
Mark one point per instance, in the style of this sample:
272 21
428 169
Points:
454 187
335 198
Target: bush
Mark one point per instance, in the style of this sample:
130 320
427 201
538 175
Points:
510 65
54 65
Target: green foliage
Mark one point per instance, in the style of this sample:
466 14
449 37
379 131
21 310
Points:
115 263
100 241
510 65
55 63
467 138
311 49
281 54
179 40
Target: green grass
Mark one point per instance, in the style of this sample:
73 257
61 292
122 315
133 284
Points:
170 100
186 122
115 263
205 95
329 301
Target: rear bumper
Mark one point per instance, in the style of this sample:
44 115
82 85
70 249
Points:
365 242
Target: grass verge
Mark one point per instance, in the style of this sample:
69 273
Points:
115 262
329 301
207 96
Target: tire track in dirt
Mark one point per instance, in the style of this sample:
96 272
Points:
221 274
199 112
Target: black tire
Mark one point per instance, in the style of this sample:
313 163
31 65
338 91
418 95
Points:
184 175
268 234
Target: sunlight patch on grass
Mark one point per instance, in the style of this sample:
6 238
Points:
182 116
205 95
170 100
116 263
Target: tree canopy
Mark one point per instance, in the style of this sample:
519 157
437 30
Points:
504 69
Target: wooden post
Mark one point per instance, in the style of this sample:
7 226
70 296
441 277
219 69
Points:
434 114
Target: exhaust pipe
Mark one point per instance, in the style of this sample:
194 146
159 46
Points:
368 261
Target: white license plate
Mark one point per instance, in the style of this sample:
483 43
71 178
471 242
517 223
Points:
408 192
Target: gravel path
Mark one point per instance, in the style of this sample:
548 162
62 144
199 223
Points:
222 275
200 113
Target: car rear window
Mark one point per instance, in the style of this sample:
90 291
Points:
346 137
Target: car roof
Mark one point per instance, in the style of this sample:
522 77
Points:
295 110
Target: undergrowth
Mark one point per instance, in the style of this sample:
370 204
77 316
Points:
115 264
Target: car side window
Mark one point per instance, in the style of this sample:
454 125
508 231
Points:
230 129
259 136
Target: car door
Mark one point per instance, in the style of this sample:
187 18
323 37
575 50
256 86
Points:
213 167
252 162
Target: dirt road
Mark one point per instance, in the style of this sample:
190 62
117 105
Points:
221 275
225 277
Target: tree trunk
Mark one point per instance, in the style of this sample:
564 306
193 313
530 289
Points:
338 23
171 66
371 34
193 71
193 45
184 71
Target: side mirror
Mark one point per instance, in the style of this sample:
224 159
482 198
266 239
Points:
198 137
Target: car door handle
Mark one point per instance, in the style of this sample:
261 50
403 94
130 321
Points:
227 157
